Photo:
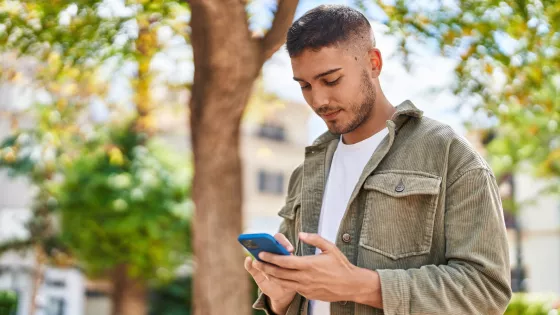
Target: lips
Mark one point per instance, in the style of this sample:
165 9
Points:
331 115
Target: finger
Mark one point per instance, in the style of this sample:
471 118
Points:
287 284
283 240
287 262
258 266
278 272
257 275
248 264
317 241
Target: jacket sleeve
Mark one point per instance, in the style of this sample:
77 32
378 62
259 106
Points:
476 278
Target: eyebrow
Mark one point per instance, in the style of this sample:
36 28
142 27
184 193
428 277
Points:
320 74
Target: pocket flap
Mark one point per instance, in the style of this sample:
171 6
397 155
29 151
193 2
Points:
400 185
288 211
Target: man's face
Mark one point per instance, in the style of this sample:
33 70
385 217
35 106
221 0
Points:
335 83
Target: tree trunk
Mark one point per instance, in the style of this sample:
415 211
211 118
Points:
221 88
227 61
37 279
129 296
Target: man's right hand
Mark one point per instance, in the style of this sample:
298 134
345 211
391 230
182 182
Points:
279 297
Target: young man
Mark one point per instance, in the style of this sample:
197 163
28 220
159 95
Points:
390 212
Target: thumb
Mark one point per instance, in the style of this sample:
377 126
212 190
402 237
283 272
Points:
317 241
283 240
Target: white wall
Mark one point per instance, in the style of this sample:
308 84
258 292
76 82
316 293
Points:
71 289
17 279
542 257
61 284
540 224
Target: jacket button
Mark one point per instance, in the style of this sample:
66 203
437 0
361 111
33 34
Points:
400 187
343 302
346 238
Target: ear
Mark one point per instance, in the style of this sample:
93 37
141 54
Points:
376 62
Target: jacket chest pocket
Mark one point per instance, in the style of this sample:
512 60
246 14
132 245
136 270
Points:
399 213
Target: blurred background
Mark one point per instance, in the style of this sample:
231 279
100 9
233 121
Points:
120 123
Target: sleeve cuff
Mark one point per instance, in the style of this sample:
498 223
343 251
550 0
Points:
394 292
262 304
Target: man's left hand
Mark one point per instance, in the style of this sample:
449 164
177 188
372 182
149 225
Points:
328 276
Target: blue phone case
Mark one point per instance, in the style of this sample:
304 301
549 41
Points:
261 242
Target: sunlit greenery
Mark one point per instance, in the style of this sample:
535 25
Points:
125 201
507 57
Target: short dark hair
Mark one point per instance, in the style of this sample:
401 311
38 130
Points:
324 26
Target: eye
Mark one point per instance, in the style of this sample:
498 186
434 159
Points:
331 83
305 87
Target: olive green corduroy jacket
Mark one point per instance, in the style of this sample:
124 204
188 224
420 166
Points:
425 214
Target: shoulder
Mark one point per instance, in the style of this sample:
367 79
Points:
460 154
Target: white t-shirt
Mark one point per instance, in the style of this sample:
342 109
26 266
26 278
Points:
347 165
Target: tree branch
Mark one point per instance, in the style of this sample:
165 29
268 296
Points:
15 244
276 35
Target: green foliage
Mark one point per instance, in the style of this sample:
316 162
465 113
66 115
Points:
124 200
71 41
507 68
74 29
173 298
82 32
34 153
8 302
531 304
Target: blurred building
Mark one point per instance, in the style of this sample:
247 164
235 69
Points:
272 149
539 222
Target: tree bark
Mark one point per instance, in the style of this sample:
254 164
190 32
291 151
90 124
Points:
227 61
129 296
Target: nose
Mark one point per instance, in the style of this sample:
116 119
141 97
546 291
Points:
319 98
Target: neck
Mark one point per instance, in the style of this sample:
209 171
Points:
382 111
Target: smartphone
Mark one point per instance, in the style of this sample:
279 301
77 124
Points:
261 242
